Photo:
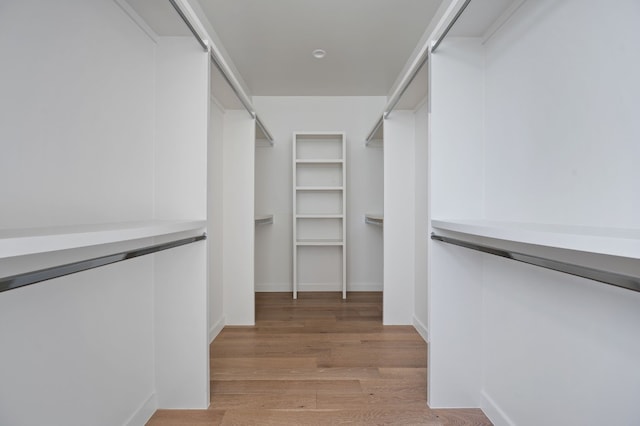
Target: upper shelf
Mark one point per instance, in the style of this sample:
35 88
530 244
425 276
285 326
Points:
320 161
601 240
24 241
319 188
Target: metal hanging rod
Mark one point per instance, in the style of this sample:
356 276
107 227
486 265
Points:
423 60
226 77
451 24
398 95
413 73
611 278
379 123
236 91
264 130
188 23
28 278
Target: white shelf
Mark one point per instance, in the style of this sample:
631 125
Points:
319 188
24 241
601 240
319 161
319 242
319 201
264 219
374 218
319 216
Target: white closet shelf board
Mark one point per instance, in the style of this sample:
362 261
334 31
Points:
24 241
374 218
319 216
319 161
319 188
264 219
319 242
600 240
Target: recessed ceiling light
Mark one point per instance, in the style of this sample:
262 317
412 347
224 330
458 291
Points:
319 53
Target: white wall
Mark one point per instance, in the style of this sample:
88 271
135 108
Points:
561 124
214 215
558 136
354 116
238 218
456 191
399 218
76 131
420 316
65 131
180 280
182 99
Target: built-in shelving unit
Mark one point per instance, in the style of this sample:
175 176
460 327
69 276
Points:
319 208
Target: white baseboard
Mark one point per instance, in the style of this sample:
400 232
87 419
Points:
422 329
319 287
142 415
272 287
286 287
493 411
216 329
364 286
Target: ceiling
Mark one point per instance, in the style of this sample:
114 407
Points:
367 42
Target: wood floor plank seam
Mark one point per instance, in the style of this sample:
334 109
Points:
318 360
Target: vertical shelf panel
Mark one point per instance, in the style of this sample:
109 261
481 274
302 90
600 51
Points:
319 211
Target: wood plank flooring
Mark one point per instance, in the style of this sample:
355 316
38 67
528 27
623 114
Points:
318 360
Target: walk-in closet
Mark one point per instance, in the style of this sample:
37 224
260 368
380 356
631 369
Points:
363 211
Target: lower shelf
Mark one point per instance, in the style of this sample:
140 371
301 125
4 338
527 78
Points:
319 243
264 219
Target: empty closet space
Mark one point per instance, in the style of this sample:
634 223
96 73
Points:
531 143
101 156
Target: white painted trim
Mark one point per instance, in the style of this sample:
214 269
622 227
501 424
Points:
216 329
493 411
287 287
137 19
319 287
142 415
273 287
422 330
364 286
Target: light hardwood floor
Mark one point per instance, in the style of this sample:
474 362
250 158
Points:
318 360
